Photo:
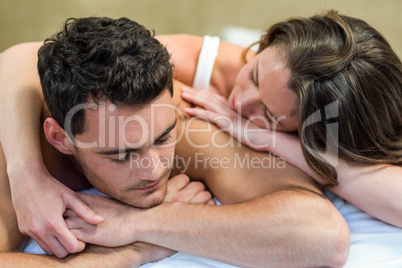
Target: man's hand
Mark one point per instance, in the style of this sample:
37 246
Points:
180 189
40 204
117 230
113 232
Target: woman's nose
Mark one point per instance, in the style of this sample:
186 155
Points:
248 103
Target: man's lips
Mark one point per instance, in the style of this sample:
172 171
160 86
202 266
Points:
149 188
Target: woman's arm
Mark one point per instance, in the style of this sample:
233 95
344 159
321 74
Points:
39 215
185 50
373 188
20 105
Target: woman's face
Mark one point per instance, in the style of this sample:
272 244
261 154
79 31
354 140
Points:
260 92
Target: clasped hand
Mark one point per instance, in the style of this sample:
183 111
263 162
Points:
119 227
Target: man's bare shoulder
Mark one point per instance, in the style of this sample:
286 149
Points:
232 171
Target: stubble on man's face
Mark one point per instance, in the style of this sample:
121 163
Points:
129 195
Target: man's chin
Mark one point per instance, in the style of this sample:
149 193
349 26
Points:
147 202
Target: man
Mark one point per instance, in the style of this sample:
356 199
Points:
108 175
277 216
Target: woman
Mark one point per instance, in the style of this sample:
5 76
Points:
270 69
334 80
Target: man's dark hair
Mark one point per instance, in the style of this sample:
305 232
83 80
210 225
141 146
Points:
103 59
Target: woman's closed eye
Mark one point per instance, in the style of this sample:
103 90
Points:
268 118
252 79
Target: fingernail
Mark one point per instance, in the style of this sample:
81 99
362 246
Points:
99 218
188 110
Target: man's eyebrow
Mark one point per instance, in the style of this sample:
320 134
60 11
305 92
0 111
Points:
134 150
167 130
119 151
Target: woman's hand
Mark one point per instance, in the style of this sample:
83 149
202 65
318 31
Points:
40 204
217 110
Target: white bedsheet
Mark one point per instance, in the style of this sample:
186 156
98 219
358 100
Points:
373 243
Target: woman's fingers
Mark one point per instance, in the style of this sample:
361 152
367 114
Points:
202 114
69 241
83 210
206 99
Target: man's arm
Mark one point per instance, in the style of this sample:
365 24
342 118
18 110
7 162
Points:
94 256
288 228
276 216
293 227
179 189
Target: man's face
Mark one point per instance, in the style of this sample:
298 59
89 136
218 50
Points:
134 150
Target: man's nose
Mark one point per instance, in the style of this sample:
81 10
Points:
150 168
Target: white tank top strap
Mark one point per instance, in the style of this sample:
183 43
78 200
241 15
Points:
206 61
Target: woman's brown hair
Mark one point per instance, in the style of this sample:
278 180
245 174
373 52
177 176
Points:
349 82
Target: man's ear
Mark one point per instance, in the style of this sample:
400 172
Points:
57 137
